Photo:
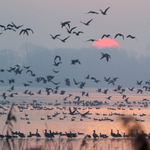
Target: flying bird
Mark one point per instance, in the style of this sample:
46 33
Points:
25 84
139 82
106 79
83 115
26 31
2 26
73 62
119 34
104 12
91 40
10 29
10 25
64 40
132 37
109 97
87 23
55 83
95 80
55 71
75 82
72 112
92 12
106 35
2 81
139 91
131 89
65 23
77 33
16 27
82 84
87 77
57 63
107 56
54 37
69 31
26 67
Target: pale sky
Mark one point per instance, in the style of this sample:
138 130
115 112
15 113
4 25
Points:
44 17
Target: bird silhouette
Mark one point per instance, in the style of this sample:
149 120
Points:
25 92
77 33
10 25
16 27
105 91
103 135
69 31
4 95
139 82
26 31
55 83
92 12
2 81
104 12
109 97
1 70
73 62
106 79
25 84
131 89
113 134
54 37
55 71
65 23
72 112
99 90
2 26
76 83
119 34
26 67
139 91
131 37
95 80
87 23
87 77
91 40
105 35
39 92
12 88
62 92
82 84
83 115
64 40
8 28
107 56
94 135
57 63
32 74
118 134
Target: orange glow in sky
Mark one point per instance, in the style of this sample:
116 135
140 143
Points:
105 43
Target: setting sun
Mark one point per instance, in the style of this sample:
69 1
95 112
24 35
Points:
106 43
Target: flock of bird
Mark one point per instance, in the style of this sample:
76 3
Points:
70 99
18 70
77 33
13 27
66 24
55 86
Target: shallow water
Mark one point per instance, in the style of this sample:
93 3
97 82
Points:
79 124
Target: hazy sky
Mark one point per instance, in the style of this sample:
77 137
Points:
44 17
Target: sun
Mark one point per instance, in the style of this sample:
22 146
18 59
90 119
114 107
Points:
106 43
